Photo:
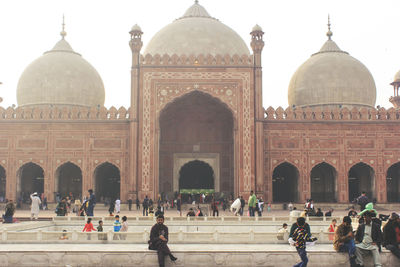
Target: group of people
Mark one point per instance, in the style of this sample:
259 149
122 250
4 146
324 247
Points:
368 238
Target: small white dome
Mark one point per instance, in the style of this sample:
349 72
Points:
196 32
60 77
257 28
332 77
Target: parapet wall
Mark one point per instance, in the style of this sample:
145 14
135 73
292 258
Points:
196 60
63 113
331 114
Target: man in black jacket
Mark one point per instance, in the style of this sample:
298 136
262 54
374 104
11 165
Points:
390 241
159 239
368 239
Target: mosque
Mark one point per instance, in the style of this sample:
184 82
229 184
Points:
196 122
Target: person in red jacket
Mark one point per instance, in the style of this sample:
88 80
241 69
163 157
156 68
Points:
88 227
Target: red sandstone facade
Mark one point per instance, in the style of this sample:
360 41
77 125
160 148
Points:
206 108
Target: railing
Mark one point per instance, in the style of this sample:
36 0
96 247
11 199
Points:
221 219
179 237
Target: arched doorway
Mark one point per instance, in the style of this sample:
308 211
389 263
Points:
196 175
393 183
198 124
285 183
361 179
69 180
107 182
30 180
2 184
323 183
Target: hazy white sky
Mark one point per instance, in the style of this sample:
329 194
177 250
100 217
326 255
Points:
294 29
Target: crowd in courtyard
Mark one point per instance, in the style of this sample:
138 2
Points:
375 231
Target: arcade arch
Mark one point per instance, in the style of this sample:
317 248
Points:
107 182
3 181
323 183
285 179
30 180
393 183
196 124
69 180
361 179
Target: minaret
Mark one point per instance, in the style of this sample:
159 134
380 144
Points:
257 45
136 45
1 99
395 99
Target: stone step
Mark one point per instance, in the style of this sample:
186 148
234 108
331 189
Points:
189 255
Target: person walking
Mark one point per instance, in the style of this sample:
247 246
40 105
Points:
158 241
214 207
145 206
362 200
9 212
117 206
61 208
252 203
300 237
130 201
35 206
391 231
137 204
344 240
91 203
242 204
368 239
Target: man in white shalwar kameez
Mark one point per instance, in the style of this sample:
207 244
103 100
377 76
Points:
236 205
35 206
117 206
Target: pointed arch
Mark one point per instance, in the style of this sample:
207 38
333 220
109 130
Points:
30 179
393 183
68 178
285 179
107 181
3 183
323 178
361 178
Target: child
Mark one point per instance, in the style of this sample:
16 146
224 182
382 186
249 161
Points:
100 229
332 229
88 227
301 236
64 235
124 227
117 227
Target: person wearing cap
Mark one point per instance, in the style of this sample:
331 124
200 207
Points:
344 239
368 240
159 239
391 234
35 206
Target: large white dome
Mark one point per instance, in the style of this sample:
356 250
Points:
331 77
60 77
195 33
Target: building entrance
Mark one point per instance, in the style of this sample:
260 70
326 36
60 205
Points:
196 175
323 183
69 180
196 126
31 179
393 183
285 181
361 179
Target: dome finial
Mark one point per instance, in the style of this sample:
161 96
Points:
63 33
196 1
329 33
